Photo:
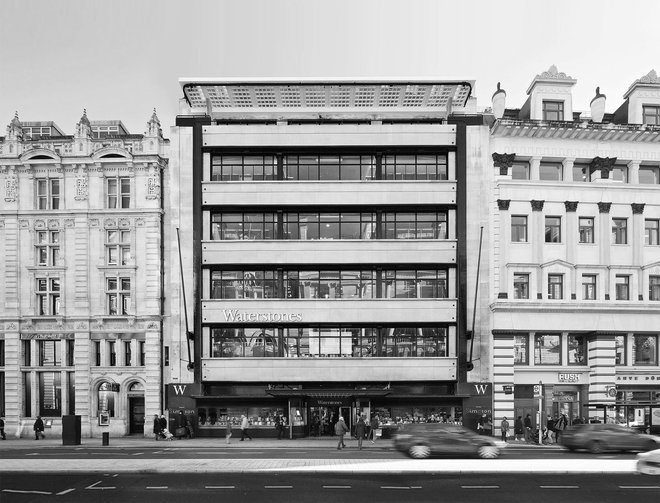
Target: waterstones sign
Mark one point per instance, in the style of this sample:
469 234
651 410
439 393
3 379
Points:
238 316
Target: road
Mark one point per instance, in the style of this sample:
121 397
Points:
331 488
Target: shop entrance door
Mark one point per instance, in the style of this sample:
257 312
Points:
322 421
136 414
346 414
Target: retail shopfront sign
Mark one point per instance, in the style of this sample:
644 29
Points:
236 315
570 377
647 377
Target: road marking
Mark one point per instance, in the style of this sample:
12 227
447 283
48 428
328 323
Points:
219 487
336 487
394 487
559 487
157 487
137 453
66 491
296 452
639 487
93 486
19 491
480 487
278 487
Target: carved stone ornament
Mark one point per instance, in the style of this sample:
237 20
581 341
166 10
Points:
93 222
152 325
69 222
124 223
503 161
638 208
503 204
109 222
11 326
554 74
53 223
82 186
603 164
11 186
604 207
24 224
650 78
39 224
537 205
571 205
153 184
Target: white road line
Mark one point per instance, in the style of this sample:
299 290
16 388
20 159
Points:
559 487
480 487
19 491
93 486
394 487
157 487
66 491
219 487
415 487
336 487
138 453
278 487
639 487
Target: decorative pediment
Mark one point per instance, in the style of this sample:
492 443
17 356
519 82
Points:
112 152
40 153
557 262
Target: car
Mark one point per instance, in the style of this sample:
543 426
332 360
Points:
601 437
421 440
649 462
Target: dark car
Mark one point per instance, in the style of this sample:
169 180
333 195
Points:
600 437
421 440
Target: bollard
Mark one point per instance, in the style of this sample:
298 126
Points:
106 438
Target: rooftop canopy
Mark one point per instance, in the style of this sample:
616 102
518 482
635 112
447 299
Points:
328 98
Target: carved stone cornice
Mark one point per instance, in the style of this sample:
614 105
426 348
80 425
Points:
604 207
503 204
571 205
604 164
638 208
537 205
503 161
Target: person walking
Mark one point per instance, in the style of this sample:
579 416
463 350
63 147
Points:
373 426
550 425
2 429
518 429
156 427
162 424
481 424
38 428
360 431
228 431
244 428
504 426
528 428
340 430
560 426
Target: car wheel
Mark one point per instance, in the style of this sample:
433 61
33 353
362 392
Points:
596 447
419 451
488 452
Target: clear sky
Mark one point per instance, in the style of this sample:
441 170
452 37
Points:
119 59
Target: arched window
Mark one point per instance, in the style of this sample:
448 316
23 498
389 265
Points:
106 398
136 387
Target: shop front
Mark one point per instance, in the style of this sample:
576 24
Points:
637 401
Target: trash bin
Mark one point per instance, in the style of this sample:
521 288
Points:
106 438
71 430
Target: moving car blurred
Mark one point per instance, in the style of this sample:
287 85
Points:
601 437
421 440
649 462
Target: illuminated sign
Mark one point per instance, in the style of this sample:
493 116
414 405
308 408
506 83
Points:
234 315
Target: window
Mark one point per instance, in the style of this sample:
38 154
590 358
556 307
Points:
48 194
97 353
70 352
651 232
550 171
521 286
118 293
651 115
620 231
520 171
106 399
577 350
118 247
654 287
553 229
589 286
2 352
329 284
128 355
645 350
142 353
112 353
581 172
553 110
521 350
547 350
48 248
243 226
244 284
586 229
243 167
329 167
622 285
415 284
649 175
620 345
49 353
555 286
118 190
50 394
100 132
518 229
415 167
619 173
26 353
420 225
48 296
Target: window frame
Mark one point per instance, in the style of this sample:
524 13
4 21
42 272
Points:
653 355
653 170
546 110
48 250
654 112
651 234
120 247
580 346
586 233
518 228
619 287
521 349
48 297
553 231
122 200
654 287
525 283
588 287
619 232
538 349
624 349
121 296
48 194
554 285
520 168
556 169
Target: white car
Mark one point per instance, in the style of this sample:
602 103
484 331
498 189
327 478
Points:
649 462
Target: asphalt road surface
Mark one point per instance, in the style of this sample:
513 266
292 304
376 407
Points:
331 488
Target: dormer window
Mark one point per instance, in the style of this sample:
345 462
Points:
651 115
553 110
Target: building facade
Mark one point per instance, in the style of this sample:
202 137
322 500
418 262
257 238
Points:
81 263
576 254
325 253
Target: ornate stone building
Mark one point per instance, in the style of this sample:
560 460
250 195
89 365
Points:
81 275
576 254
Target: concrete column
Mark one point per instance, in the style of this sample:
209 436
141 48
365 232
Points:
638 244
571 240
538 240
534 168
13 381
604 237
633 172
503 372
153 391
602 371
567 167
505 240
83 358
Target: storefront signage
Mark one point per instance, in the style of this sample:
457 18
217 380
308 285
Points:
235 315
563 396
648 378
568 377
47 337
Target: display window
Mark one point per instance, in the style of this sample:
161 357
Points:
258 416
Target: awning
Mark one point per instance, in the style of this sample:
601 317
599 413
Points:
338 393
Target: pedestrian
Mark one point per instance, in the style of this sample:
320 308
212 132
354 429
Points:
488 426
340 430
162 424
2 429
156 426
560 426
550 424
244 428
504 427
38 428
360 431
518 429
278 426
481 424
528 428
228 431
373 426
189 428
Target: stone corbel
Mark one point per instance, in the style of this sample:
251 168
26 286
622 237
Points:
503 161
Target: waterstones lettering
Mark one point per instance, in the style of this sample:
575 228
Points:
234 315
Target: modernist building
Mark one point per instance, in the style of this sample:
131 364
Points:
324 248
576 254
81 281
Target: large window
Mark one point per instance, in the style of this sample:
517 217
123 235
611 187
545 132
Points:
244 284
622 285
50 354
555 286
586 229
48 296
553 229
250 226
521 350
48 194
577 349
649 175
330 284
243 167
651 232
620 231
651 115
620 345
419 225
106 398
589 287
118 247
645 350
118 292
415 284
415 167
118 191
521 286
342 225
518 228
329 167
654 287
547 350
50 394
48 248
520 171
550 171
553 110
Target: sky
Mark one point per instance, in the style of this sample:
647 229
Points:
120 59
